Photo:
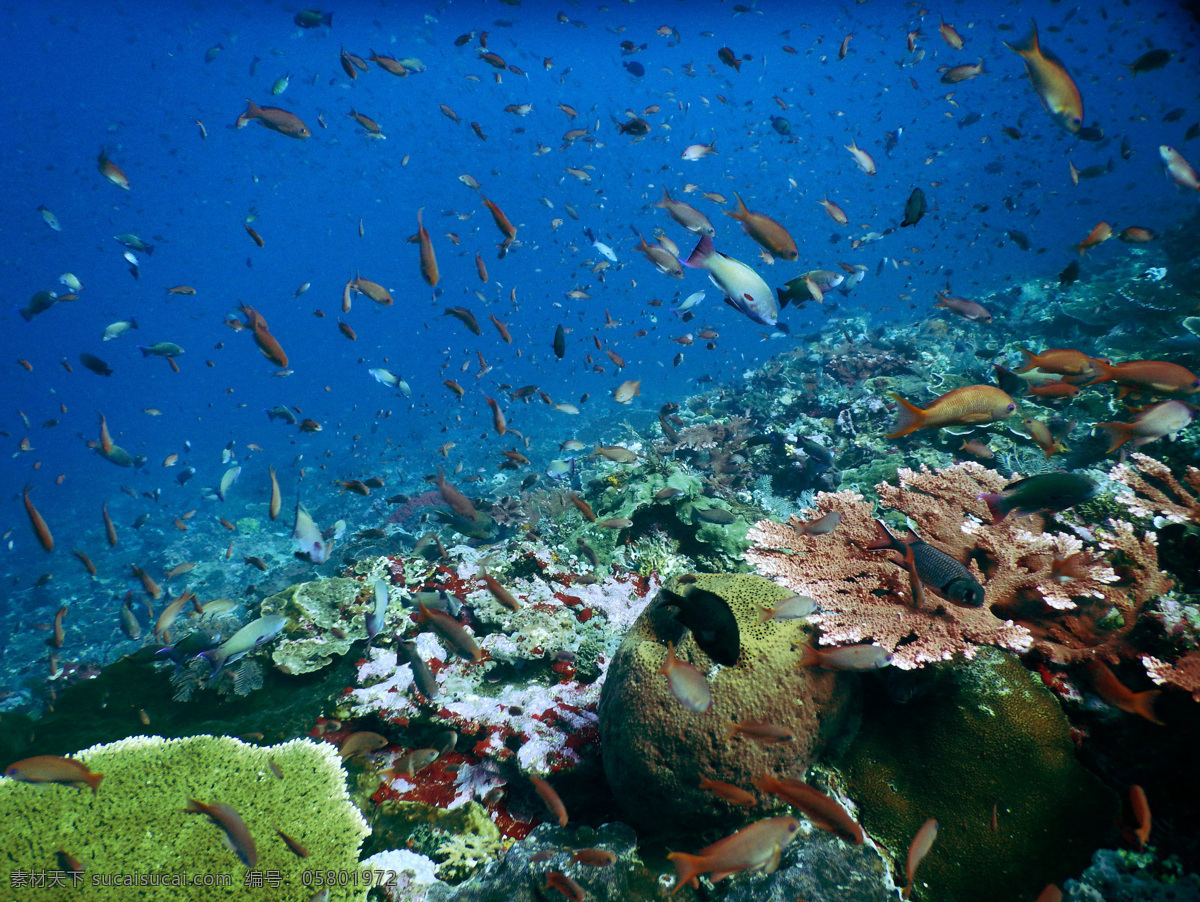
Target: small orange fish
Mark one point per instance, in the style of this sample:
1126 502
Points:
961 406
584 508
551 798
952 38
1098 235
753 848
836 213
507 229
1054 86
1113 691
255 236
1063 361
40 529
112 171
766 231
819 808
429 266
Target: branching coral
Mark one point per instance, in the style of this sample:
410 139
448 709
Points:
1144 498
1042 590
865 597
1183 674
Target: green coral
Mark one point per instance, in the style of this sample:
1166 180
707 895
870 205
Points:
314 609
461 840
135 824
248 526
987 744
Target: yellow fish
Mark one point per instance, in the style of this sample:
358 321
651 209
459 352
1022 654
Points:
1053 84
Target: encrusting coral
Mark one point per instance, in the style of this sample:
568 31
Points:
1042 590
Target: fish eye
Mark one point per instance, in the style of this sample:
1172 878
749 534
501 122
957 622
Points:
1012 407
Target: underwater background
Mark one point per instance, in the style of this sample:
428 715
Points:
261 289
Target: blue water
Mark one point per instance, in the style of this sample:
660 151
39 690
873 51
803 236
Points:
131 78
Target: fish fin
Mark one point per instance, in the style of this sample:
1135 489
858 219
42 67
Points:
1142 703
783 327
688 868
809 657
883 538
783 297
1030 360
1028 47
700 253
93 780
665 670
1118 434
993 504
909 417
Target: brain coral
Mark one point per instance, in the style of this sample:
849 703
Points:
656 751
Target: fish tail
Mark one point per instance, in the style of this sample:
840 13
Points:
809 657
93 780
144 350
664 201
1031 360
665 670
909 417
1142 703
688 868
133 323
1102 371
1028 47
883 539
702 251
995 505
1118 434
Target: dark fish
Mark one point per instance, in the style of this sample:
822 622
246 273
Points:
1046 492
1091 133
560 342
635 68
423 677
1192 132
707 615
914 209
39 303
969 119
1174 115
1008 381
937 570
237 834
1020 239
1126 150
1069 274
95 364
1149 61
781 125
313 18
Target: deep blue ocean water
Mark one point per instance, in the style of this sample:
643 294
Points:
131 78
